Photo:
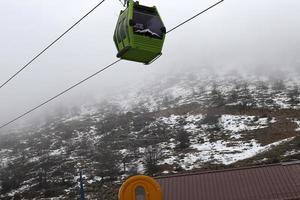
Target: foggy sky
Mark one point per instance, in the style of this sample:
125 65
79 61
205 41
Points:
239 34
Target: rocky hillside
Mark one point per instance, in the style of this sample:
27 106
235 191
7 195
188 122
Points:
192 121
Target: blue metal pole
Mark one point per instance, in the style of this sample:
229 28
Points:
81 187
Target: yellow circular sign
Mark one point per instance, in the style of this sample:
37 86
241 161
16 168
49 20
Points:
140 188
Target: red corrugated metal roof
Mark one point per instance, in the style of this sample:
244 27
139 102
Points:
271 182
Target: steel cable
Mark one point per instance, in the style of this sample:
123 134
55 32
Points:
51 44
103 69
60 94
186 21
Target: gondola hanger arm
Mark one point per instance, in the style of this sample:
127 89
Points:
124 2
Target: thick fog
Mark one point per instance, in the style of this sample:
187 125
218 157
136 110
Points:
238 34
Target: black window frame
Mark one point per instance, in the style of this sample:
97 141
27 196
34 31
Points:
117 32
122 29
151 15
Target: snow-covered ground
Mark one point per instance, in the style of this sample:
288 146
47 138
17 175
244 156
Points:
197 86
57 152
297 121
172 120
290 153
83 113
6 157
220 153
236 124
231 123
20 190
239 123
221 142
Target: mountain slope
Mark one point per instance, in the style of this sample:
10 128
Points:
190 121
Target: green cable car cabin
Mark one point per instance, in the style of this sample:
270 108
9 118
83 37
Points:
140 33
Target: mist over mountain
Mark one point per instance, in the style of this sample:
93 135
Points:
224 94
176 122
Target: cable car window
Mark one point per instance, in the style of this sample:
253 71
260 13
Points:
147 23
126 27
118 32
140 193
122 29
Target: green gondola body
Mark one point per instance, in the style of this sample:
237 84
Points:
140 33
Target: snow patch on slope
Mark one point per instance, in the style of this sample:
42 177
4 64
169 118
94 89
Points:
220 152
297 121
238 123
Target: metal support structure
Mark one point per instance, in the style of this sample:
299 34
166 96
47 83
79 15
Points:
81 187
124 2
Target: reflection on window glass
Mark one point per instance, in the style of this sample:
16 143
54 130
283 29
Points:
119 32
148 24
140 193
122 30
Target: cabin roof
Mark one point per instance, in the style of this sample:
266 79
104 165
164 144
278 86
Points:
268 182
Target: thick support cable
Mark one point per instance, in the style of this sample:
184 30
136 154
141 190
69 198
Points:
60 94
70 88
45 49
186 21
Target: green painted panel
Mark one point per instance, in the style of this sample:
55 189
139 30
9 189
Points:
137 46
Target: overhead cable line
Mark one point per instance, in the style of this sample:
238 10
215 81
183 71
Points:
51 44
61 93
123 4
70 88
186 21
